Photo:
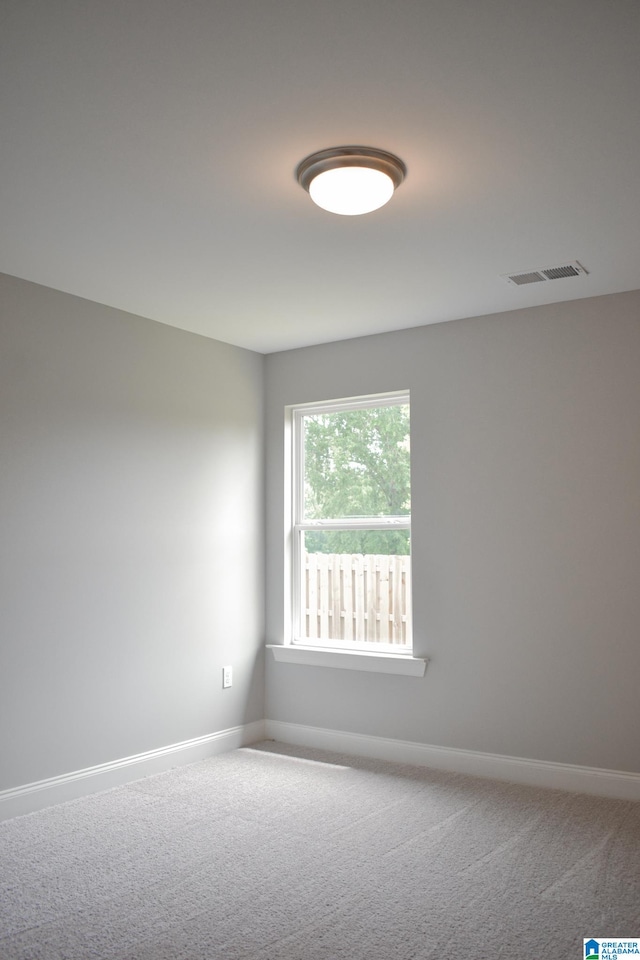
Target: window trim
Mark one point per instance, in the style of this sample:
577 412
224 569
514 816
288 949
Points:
385 655
402 664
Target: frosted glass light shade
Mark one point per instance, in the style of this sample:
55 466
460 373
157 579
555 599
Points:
351 180
351 190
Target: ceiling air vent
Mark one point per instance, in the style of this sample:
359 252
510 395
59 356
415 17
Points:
572 269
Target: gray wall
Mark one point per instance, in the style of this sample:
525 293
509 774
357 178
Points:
526 533
131 534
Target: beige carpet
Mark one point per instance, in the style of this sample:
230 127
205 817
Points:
277 853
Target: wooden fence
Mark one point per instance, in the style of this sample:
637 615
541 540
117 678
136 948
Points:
356 597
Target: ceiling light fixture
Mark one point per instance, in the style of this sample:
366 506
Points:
351 180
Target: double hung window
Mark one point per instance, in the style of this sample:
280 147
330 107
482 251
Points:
351 524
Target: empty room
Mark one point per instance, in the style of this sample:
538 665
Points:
319 480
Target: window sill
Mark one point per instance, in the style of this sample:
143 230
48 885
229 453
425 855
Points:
396 663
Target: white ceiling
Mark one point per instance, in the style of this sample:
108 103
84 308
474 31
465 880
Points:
148 150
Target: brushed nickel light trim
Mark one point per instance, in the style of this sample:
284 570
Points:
337 158
316 163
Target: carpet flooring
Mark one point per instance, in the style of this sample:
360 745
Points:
273 852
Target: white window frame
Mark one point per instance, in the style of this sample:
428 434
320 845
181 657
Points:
298 525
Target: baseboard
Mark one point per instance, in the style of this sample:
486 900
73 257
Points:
539 773
561 776
44 793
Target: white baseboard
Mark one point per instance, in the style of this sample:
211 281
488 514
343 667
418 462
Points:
539 773
44 793
561 776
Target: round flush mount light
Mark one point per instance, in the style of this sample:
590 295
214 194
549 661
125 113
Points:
351 180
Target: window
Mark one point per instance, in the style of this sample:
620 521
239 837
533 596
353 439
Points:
350 555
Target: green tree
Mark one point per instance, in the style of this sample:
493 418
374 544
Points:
357 464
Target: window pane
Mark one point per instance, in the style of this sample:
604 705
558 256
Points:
356 463
348 594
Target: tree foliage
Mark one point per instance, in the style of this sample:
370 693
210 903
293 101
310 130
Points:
357 465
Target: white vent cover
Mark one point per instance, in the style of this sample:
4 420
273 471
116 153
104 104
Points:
571 269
